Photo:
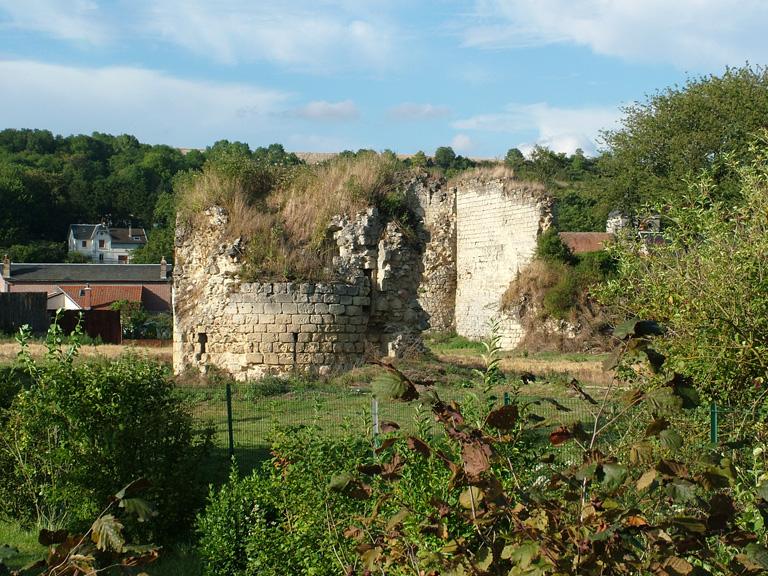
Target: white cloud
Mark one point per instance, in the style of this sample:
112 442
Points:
461 143
698 33
333 34
560 129
154 106
76 20
322 110
409 111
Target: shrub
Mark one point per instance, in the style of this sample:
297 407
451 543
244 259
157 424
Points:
708 284
284 518
77 431
550 248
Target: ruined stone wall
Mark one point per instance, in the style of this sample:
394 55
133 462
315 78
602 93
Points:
249 329
434 204
446 269
498 223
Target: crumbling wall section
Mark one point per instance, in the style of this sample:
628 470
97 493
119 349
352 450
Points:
498 223
434 204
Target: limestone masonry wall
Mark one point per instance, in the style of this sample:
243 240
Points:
498 223
435 204
447 269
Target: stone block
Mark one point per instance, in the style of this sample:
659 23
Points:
254 358
271 359
289 308
309 328
361 301
321 308
316 319
354 311
332 299
276 328
285 359
346 300
305 309
273 308
337 309
285 337
300 319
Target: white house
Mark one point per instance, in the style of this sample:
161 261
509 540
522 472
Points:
102 243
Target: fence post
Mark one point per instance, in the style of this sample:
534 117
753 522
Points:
229 422
375 421
506 399
713 422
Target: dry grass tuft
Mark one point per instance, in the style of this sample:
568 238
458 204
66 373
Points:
497 172
284 216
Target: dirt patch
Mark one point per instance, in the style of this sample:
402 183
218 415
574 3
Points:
589 371
9 351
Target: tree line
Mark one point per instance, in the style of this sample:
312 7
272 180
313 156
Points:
678 133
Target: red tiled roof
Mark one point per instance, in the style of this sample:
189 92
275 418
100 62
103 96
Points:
103 296
580 242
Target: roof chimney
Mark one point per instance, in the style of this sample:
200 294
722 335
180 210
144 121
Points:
6 266
163 269
86 292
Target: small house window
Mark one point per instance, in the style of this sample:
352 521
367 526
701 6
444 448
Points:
102 243
84 243
122 259
101 257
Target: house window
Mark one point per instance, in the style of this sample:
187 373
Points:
102 243
101 257
122 259
84 243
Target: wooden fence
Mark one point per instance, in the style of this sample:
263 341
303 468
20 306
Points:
19 308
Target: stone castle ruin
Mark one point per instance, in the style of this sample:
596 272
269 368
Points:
447 272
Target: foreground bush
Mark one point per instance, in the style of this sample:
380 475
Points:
76 432
610 489
284 518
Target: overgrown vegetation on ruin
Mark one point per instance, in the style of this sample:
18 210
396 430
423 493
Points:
556 287
283 214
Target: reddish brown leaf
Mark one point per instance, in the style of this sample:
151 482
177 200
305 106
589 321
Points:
385 444
560 436
386 426
504 418
369 469
419 446
476 456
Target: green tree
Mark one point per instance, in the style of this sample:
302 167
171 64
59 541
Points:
668 140
708 284
419 159
444 157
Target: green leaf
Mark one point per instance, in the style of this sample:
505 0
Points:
397 519
681 491
693 525
339 482
640 452
671 439
757 554
664 400
762 490
484 559
391 386
471 497
139 508
614 476
106 533
8 552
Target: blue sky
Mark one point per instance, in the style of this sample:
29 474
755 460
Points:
328 75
